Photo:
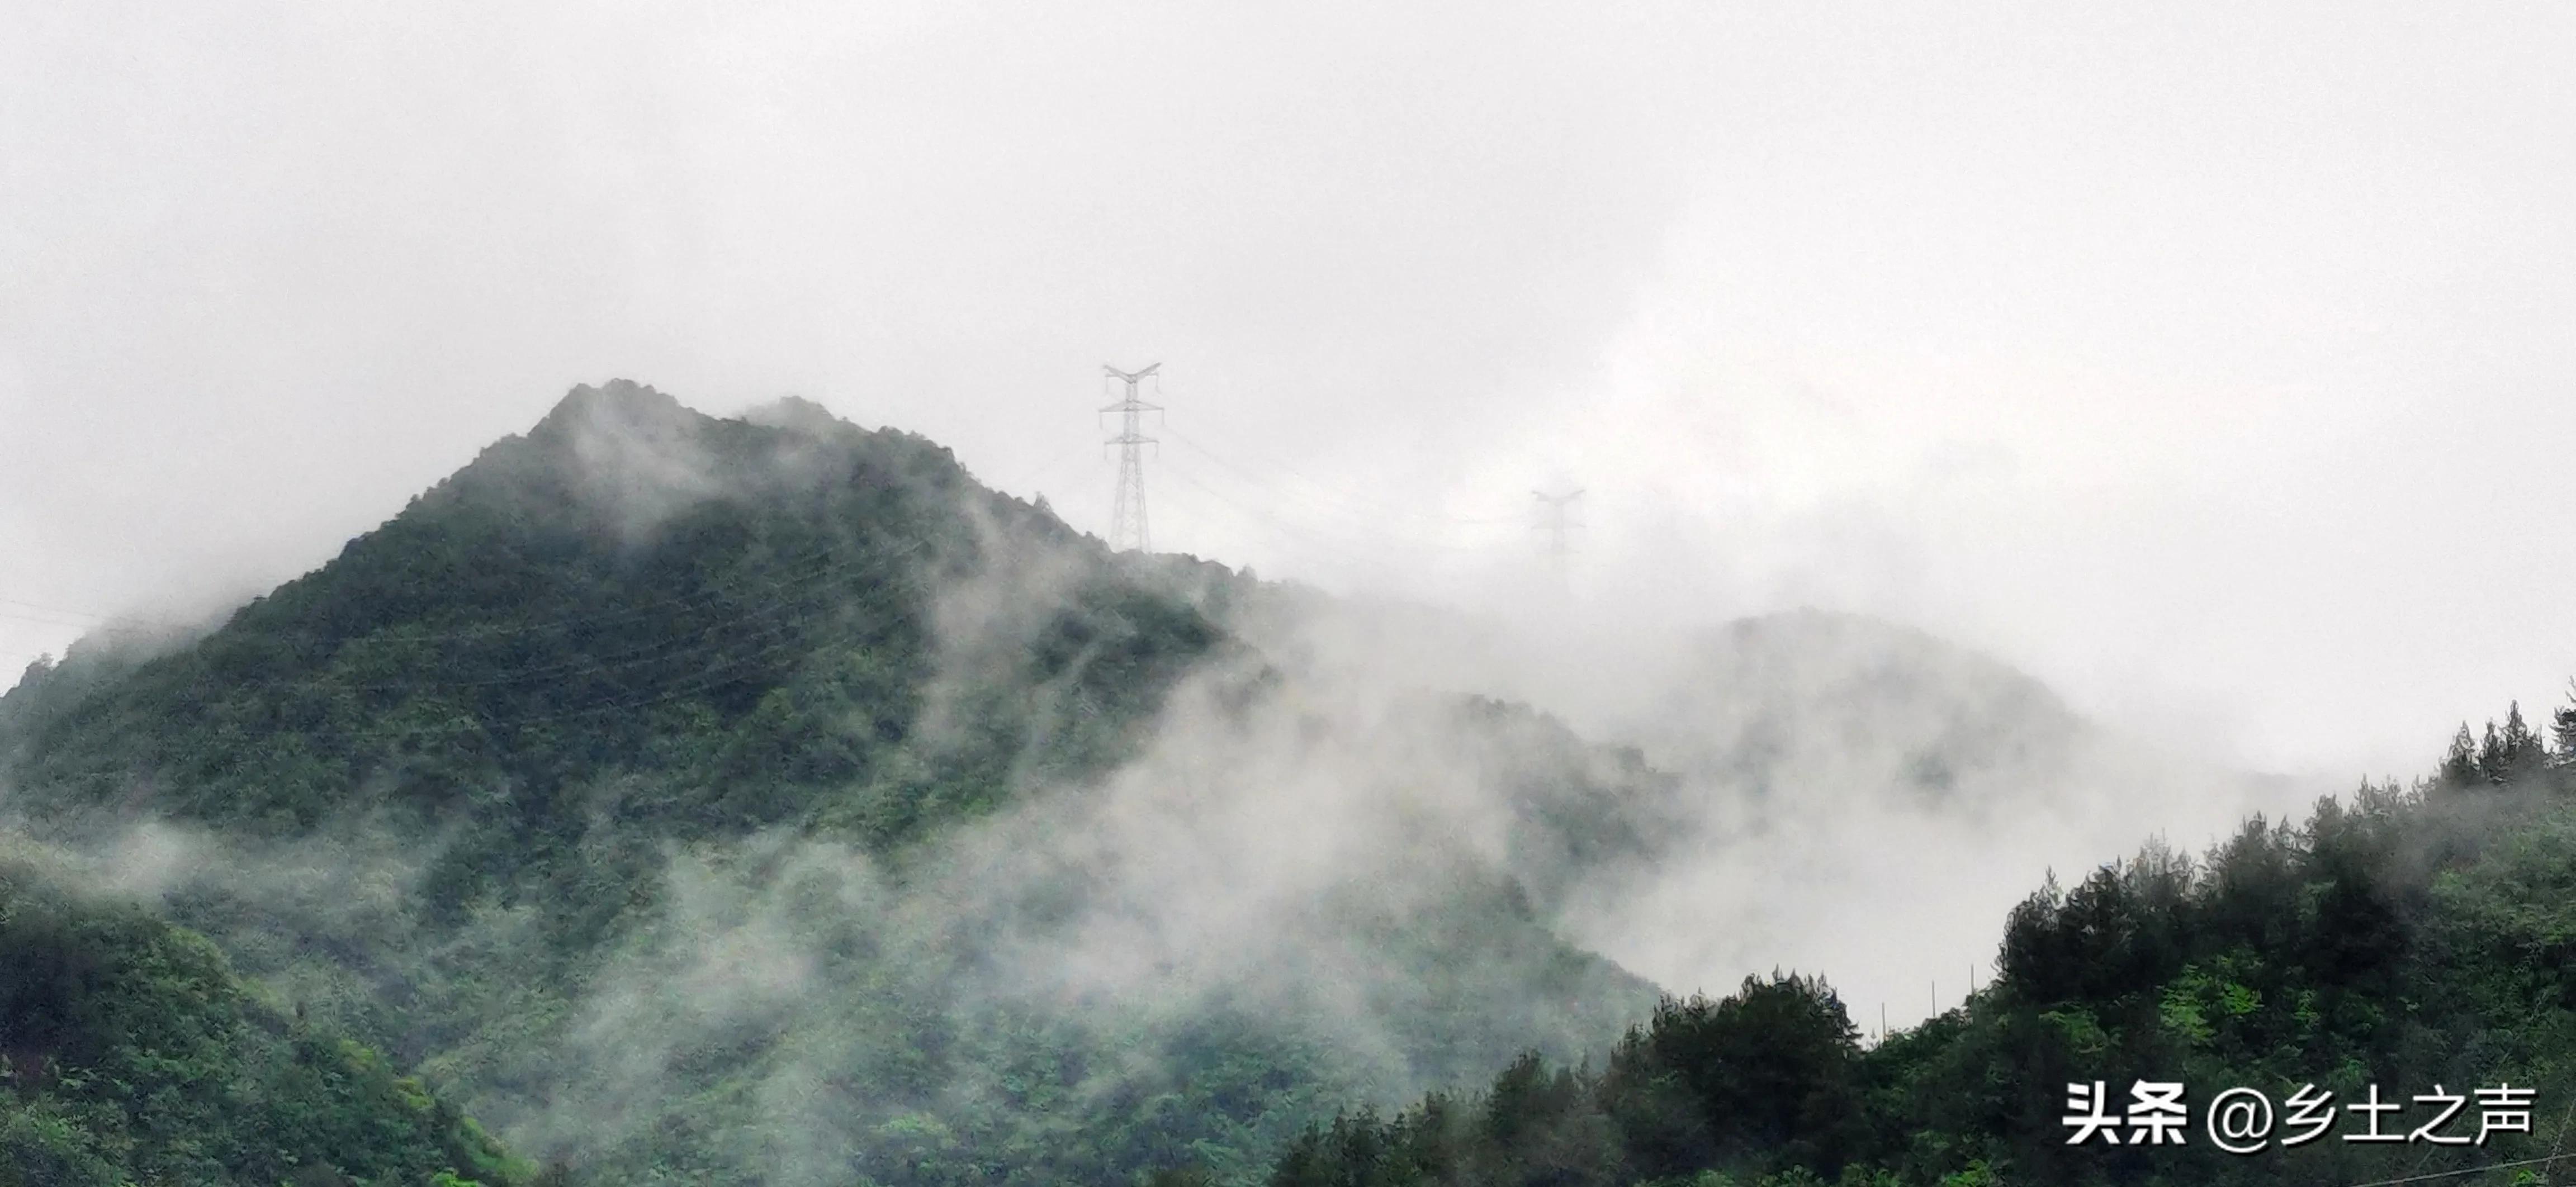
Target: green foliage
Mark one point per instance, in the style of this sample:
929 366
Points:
1763 1082
2404 938
508 715
467 756
129 1053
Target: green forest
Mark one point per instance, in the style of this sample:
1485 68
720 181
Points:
672 799
2409 938
130 1053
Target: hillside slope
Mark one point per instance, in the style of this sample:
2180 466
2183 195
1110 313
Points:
2409 947
129 1053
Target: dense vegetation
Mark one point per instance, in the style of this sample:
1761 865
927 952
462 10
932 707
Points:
762 800
129 1053
716 605
2413 939
627 785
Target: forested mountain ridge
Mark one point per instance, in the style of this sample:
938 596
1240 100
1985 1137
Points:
627 575
2411 939
763 800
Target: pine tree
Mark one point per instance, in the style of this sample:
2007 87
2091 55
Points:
2523 752
2460 766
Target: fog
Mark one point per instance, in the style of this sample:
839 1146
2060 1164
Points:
1311 840
2210 366
2208 363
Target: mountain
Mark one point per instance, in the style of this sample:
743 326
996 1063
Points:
1783 703
627 576
764 800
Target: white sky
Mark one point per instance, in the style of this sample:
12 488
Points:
2211 361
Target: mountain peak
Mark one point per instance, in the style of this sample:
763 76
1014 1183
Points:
796 414
631 569
619 401
628 453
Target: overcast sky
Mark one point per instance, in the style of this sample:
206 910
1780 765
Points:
2211 361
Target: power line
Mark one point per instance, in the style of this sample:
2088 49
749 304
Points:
1127 526
810 568
1283 529
43 609
80 624
2559 1139
781 640
1036 480
1409 531
1368 551
1280 510
2474 1170
56 615
777 596
1326 497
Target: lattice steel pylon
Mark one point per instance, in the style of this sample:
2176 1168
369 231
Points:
1127 525
1553 520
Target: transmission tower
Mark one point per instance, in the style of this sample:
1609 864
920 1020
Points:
1554 521
1127 530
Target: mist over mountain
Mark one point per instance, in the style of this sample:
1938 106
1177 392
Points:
764 799
1778 703
1735 595
1861 799
1840 792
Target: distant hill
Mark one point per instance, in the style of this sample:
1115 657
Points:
1784 702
